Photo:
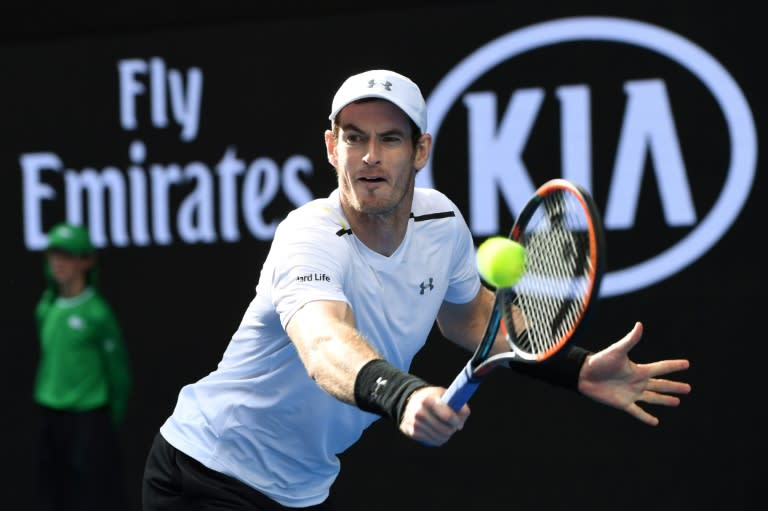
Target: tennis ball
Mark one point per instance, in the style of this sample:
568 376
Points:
500 261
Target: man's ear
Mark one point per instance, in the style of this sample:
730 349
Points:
423 150
330 148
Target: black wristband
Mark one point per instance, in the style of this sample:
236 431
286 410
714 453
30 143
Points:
383 389
562 369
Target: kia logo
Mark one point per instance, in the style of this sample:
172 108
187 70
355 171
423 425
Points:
648 132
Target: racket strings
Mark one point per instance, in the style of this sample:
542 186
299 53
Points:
552 296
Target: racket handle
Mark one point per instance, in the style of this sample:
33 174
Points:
464 385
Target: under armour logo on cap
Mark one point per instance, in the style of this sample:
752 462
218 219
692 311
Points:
383 84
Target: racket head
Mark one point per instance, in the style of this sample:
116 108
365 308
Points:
562 232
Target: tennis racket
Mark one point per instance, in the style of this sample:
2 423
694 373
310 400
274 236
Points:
562 233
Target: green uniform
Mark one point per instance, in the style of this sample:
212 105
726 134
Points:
82 386
83 363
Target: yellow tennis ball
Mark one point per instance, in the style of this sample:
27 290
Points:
500 261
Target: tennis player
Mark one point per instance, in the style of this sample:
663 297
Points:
348 294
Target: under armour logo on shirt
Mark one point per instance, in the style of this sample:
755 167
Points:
386 84
426 285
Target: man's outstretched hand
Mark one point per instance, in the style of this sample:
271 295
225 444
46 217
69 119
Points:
611 378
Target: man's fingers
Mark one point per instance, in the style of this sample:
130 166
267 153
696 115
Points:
642 415
655 398
668 386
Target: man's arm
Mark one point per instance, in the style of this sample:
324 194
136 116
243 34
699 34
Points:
331 348
609 376
465 323
346 366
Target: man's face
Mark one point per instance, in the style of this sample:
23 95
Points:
374 157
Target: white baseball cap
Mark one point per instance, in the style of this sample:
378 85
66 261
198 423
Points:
384 84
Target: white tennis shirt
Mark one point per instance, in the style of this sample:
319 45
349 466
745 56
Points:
259 417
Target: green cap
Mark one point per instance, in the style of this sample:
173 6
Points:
69 238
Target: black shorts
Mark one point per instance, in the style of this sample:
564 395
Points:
175 482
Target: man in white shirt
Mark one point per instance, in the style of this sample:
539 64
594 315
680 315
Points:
347 296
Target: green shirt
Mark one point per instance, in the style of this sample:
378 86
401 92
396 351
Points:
83 362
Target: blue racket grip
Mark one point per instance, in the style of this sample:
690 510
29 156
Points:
462 388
